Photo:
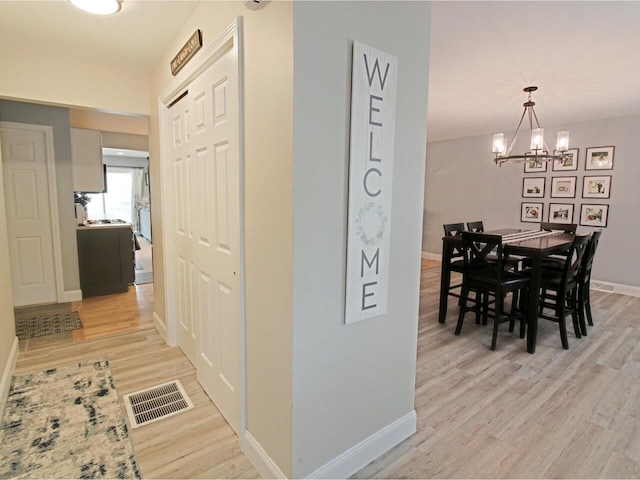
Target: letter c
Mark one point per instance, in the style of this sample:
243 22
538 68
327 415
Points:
364 182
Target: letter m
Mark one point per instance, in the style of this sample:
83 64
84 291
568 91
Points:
364 260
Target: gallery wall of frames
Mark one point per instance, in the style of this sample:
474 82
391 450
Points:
577 191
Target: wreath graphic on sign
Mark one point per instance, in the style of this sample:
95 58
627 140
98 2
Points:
371 208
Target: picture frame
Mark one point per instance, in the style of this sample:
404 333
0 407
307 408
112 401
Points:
560 213
533 187
563 187
596 186
570 162
531 212
533 166
593 215
599 158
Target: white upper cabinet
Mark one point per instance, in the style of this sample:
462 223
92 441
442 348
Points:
86 159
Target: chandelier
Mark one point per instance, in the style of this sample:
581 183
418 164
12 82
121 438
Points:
539 151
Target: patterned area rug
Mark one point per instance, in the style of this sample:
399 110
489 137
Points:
66 423
46 324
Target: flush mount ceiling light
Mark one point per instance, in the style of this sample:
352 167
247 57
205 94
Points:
539 150
99 7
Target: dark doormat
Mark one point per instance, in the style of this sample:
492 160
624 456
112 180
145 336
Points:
46 324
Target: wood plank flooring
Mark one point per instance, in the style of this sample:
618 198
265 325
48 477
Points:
510 414
481 414
194 444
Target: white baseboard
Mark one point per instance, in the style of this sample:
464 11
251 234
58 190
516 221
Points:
261 461
70 296
5 381
360 455
160 326
618 288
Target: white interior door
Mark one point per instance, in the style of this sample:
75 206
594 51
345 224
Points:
205 172
29 224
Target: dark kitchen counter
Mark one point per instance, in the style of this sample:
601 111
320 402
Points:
105 258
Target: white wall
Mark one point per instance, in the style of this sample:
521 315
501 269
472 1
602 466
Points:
463 184
350 381
60 80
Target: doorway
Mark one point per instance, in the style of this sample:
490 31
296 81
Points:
127 197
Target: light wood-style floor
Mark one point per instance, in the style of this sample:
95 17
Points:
509 414
195 444
481 413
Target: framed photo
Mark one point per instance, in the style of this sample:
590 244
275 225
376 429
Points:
599 158
593 215
533 166
569 162
560 213
533 187
531 212
563 187
596 187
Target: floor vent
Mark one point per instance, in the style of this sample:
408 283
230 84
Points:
602 287
156 403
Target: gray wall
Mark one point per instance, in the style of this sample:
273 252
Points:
352 380
463 184
58 119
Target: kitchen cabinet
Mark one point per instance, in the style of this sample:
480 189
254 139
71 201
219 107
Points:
106 259
86 160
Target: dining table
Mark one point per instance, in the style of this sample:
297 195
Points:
533 244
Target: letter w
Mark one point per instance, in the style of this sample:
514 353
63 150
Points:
376 68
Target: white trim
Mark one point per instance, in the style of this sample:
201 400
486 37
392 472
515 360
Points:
70 296
611 287
161 326
53 198
360 455
261 461
230 38
5 382
432 256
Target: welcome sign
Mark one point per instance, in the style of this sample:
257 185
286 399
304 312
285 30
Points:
373 115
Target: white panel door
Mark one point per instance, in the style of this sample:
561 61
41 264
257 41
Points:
206 175
24 163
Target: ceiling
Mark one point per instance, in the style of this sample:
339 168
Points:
135 38
583 55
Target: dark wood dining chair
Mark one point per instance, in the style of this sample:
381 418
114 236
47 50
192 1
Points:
455 261
584 282
476 227
485 273
553 262
559 290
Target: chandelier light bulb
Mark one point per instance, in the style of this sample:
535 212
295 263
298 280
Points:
537 139
562 144
499 144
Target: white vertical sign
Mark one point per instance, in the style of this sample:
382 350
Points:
373 116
